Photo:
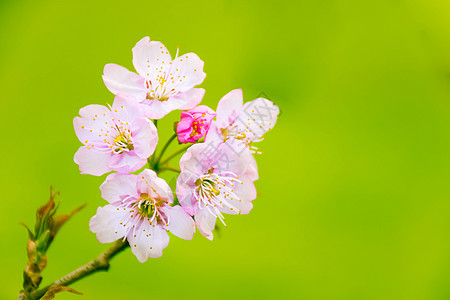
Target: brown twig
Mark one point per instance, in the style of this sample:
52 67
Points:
101 263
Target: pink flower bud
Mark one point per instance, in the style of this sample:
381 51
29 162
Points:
194 124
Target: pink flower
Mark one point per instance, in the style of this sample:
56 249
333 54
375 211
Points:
194 124
139 210
242 122
216 179
117 139
162 84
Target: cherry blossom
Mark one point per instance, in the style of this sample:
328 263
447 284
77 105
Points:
140 211
194 124
242 122
118 138
161 84
216 179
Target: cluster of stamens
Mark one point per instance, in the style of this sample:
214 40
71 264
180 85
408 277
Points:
216 190
160 89
146 209
197 125
237 132
122 142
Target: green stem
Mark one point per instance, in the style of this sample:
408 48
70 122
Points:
174 154
164 149
169 169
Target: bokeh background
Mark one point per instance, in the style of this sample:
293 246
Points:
354 191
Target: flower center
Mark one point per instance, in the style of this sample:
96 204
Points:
159 89
236 132
233 131
148 208
215 192
122 143
197 126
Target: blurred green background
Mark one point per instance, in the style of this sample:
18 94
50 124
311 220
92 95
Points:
354 191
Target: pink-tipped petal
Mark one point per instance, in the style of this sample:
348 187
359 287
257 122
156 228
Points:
126 109
180 224
229 108
145 137
92 123
151 58
149 183
105 224
186 72
205 222
190 98
117 186
92 161
126 162
258 117
119 80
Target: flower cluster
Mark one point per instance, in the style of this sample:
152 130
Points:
216 172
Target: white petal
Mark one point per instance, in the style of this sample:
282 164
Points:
196 159
252 170
105 224
214 135
149 183
246 190
238 207
126 162
118 79
180 223
148 241
185 73
185 188
145 137
229 108
126 109
92 125
257 117
233 156
92 161
151 59
205 222
190 98
155 109
117 186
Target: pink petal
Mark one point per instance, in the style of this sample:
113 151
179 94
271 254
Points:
242 207
185 189
92 161
180 224
190 98
116 186
148 241
258 117
214 135
149 58
155 109
118 79
145 137
194 161
186 72
126 108
105 224
229 108
126 162
205 222
92 125
149 183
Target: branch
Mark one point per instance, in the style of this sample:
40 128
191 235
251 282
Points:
101 263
